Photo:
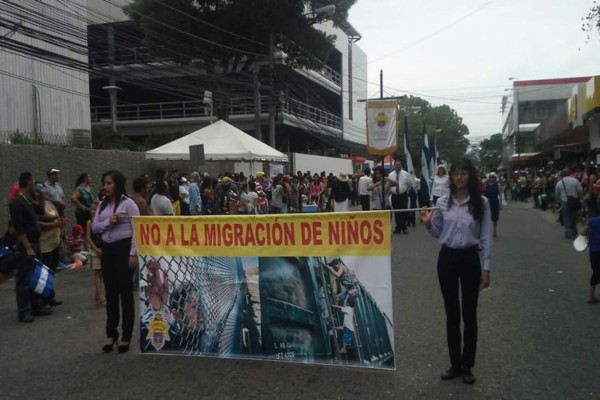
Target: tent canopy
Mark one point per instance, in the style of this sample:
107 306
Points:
222 142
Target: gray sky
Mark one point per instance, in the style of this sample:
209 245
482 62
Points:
462 52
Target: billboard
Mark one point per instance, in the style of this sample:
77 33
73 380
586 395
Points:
308 288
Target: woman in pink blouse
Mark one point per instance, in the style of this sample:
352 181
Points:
114 222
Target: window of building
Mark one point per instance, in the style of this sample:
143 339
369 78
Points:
541 112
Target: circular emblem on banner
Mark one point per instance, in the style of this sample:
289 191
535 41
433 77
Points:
381 119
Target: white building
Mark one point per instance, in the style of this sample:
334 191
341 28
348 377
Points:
39 96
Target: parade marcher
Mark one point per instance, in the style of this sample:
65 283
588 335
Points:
27 230
400 183
493 194
340 193
114 222
568 187
379 197
441 185
364 197
54 191
462 225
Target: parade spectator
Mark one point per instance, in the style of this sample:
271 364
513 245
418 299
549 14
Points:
317 190
400 183
114 222
287 194
252 197
173 191
340 192
75 241
244 202
568 187
94 244
462 225
51 225
262 203
194 190
184 195
494 196
441 185
27 232
82 198
140 191
14 191
591 192
276 196
161 204
54 191
207 192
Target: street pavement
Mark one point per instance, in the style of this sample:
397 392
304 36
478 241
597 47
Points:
538 339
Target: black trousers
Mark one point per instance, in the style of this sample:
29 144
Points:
119 288
365 201
595 263
460 270
400 202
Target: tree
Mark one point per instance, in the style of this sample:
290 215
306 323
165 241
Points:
219 31
440 121
491 152
591 22
105 138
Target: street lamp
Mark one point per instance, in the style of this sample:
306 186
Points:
112 91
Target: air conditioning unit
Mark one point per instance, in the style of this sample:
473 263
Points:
81 138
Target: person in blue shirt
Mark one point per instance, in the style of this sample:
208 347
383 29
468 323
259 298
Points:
592 231
462 224
195 198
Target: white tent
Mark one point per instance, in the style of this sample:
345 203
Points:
222 142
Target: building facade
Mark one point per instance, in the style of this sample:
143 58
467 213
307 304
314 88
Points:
313 111
44 85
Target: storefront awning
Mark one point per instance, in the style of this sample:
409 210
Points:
524 157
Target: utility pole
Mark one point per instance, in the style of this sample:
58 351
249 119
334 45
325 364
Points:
257 110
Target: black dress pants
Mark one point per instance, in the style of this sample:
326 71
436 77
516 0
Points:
365 202
400 202
459 270
119 288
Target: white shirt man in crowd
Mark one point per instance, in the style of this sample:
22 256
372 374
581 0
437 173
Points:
400 183
363 193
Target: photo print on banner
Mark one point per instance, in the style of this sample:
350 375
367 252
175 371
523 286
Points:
266 299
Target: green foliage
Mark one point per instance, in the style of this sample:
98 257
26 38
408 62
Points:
494 143
490 152
441 121
591 22
105 138
189 41
21 138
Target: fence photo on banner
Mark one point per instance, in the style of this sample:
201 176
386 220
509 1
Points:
333 307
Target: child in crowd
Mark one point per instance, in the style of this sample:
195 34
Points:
262 204
93 243
75 242
592 231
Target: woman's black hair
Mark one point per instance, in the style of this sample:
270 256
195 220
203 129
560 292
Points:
81 178
381 171
120 190
475 198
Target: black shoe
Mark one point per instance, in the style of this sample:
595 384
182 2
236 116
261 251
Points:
405 231
107 348
467 376
123 348
25 318
450 374
42 313
54 302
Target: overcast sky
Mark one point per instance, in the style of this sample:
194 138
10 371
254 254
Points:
462 52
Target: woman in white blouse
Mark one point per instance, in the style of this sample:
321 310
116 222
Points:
440 185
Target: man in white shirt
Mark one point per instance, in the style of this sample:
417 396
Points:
363 193
565 188
54 191
400 183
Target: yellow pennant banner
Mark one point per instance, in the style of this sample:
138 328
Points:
288 235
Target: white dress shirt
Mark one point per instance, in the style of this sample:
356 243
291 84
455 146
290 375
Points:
404 180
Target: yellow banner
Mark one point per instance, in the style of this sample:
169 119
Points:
288 235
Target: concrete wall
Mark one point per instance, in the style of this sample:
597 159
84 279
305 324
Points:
15 159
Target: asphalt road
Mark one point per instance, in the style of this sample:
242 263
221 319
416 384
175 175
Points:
538 337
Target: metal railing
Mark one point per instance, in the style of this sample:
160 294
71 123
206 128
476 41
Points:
191 109
331 75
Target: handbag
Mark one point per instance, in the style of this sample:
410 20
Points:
573 203
41 280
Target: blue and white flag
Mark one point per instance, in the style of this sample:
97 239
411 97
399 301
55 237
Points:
426 160
4 251
409 164
42 280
